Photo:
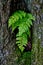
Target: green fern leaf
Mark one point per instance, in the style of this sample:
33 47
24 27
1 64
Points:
19 15
29 22
23 22
21 48
30 16
22 13
22 28
28 32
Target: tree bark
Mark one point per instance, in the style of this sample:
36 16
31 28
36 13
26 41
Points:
8 55
37 38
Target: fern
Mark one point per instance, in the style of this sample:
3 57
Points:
23 21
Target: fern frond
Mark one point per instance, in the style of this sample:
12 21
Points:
22 28
30 16
22 13
21 47
29 22
22 41
23 21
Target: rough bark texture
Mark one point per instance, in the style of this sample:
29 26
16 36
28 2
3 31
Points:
8 55
6 44
37 47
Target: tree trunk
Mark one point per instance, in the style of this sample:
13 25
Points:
8 54
6 42
37 39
